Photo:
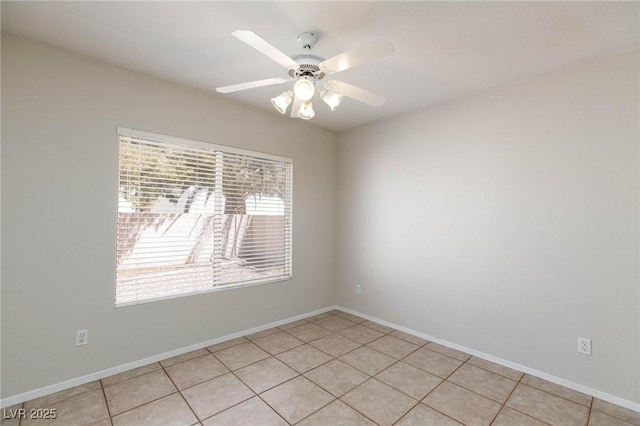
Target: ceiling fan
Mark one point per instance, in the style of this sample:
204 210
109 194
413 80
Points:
307 70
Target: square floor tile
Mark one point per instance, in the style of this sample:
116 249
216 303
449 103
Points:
308 332
48 401
293 324
570 394
105 422
303 358
334 345
130 374
194 371
251 412
433 362
509 417
616 411
336 377
483 382
227 344
379 327
462 405
379 402
216 395
137 391
422 415
368 360
409 337
184 357
278 342
546 407
82 410
335 323
296 399
11 415
263 333
361 334
392 346
320 316
409 380
460 356
336 414
351 317
171 410
495 368
265 374
600 419
241 355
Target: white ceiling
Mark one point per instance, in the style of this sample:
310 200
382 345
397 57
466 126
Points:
443 50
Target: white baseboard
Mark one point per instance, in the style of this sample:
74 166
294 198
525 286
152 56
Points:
635 406
26 396
37 393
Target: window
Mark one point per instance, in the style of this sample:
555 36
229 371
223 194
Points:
194 217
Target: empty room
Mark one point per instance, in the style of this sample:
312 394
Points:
320 213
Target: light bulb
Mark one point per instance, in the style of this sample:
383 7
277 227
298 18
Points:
281 102
306 111
332 99
304 89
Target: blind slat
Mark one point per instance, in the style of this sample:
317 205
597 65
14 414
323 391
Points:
167 245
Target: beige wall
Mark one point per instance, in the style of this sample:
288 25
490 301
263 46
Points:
506 222
59 194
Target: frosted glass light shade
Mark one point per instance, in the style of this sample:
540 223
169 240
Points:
304 89
332 99
282 101
306 111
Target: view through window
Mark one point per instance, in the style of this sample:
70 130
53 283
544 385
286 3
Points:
193 217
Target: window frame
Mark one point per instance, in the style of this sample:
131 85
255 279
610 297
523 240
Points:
175 140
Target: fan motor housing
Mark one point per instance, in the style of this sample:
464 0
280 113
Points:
308 67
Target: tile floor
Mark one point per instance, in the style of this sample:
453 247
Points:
329 370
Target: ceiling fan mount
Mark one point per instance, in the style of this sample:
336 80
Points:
308 40
307 69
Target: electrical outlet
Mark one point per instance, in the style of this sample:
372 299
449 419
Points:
584 346
82 337
358 289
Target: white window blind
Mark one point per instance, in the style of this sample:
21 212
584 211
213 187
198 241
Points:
194 217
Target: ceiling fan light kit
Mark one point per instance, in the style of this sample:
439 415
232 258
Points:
304 88
332 99
306 111
306 69
281 102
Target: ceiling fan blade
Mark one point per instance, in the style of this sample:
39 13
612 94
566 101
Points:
295 107
262 46
356 93
352 58
251 85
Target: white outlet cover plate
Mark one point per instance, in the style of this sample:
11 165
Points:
584 346
82 337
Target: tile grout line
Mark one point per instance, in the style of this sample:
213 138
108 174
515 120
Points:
256 394
444 380
425 345
590 410
519 381
326 316
180 391
370 377
504 404
560 396
106 402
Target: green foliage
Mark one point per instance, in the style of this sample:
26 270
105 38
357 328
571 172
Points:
149 171
244 177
